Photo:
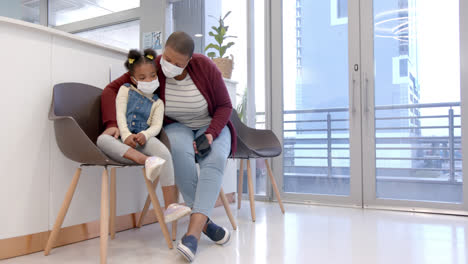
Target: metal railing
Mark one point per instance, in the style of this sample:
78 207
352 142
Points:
398 128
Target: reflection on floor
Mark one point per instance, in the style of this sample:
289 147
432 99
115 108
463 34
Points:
305 234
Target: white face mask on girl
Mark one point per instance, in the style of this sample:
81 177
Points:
147 87
169 69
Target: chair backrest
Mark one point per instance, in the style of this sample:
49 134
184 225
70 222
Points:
238 125
76 111
254 143
83 103
242 151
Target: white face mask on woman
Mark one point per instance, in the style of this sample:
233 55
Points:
169 69
147 87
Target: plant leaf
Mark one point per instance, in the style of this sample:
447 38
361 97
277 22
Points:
217 29
222 51
211 54
211 46
219 39
229 45
227 14
221 22
242 107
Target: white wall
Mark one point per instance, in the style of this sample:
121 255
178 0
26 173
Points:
25 148
35 175
153 18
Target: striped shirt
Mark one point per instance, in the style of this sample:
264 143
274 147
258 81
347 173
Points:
185 104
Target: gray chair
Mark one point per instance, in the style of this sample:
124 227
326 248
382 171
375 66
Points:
253 144
76 112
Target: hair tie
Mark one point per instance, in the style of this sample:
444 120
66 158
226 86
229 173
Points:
149 56
131 61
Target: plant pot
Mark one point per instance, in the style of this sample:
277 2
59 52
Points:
225 65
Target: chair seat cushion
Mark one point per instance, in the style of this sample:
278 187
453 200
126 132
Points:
243 153
267 152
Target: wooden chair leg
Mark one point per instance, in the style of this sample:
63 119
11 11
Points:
145 210
104 228
251 191
275 187
227 208
63 212
174 224
241 184
147 205
113 202
158 211
174 230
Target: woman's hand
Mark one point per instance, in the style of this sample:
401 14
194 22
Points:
141 139
112 131
131 141
209 137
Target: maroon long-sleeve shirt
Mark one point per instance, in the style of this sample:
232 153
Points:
206 77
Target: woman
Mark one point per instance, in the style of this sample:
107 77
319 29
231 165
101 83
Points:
197 103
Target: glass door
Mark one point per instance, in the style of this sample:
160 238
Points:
412 107
318 112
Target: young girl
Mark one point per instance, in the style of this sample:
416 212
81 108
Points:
140 115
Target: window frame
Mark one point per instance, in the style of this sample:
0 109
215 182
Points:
335 20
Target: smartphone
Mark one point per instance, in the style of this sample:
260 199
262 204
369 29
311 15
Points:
203 146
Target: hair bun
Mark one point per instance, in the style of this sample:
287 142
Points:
134 54
135 57
150 53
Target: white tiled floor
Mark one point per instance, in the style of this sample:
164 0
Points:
305 234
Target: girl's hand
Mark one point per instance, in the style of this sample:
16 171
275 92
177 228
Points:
131 141
141 139
112 131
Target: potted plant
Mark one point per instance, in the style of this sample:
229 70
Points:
242 107
224 64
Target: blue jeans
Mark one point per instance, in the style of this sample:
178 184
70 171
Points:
199 192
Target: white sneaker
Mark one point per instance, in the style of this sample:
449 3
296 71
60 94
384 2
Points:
153 166
176 211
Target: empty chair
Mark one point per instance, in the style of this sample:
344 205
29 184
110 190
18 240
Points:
253 144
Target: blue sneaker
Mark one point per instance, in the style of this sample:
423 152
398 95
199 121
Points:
218 234
188 247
